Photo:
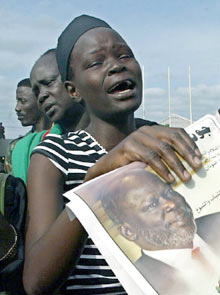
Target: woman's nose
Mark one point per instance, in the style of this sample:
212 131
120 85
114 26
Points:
116 67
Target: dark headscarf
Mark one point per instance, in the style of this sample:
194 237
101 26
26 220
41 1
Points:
70 35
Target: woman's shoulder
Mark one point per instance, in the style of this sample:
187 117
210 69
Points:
79 139
52 138
82 140
81 134
75 135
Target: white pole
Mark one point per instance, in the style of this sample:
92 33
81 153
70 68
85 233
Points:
169 107
143 96
190 96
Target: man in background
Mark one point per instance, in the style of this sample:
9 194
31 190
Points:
55 103
52 97
28 114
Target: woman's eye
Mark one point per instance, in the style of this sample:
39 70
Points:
124 56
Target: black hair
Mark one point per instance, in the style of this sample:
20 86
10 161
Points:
25 82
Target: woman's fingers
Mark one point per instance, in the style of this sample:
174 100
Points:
159 147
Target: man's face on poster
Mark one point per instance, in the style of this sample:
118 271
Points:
155 216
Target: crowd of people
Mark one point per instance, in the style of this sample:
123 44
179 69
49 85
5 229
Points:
80 100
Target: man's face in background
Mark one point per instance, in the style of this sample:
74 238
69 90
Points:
26 106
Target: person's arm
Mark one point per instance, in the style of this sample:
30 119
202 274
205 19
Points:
8 242
156 146
53 243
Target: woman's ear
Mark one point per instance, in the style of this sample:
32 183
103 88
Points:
73 91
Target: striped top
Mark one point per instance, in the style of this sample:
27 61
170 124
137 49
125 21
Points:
73 154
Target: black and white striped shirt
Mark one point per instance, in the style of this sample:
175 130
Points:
73 154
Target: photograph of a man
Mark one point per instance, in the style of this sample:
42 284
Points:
154 226
147 211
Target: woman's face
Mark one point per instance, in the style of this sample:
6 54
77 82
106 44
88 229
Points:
106 74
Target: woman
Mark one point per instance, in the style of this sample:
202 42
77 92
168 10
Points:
97 65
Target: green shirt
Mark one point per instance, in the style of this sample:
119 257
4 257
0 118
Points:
23 149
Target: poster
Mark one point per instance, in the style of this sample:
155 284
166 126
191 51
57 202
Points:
158 238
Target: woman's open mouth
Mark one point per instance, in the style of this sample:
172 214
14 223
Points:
122 87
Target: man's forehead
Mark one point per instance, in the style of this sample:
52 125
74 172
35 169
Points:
138 195
145 191
23 90
44 72
45 61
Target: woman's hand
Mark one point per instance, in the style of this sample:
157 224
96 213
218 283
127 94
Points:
157 146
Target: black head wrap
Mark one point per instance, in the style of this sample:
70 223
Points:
70 35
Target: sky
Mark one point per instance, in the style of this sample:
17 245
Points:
172 33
